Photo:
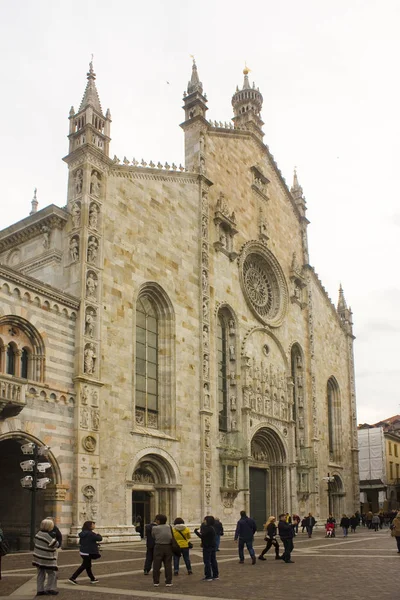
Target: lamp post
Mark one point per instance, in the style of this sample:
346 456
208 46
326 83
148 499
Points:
329 480
33 482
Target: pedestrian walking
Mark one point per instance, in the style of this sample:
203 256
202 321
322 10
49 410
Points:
296 522
345 524
303 524
162 535
353 523
219 532
368 519
148 561
139 526
207 536
375 522
310 524
245 530
182 536
395 530
270 537
45 559
286 534
89 550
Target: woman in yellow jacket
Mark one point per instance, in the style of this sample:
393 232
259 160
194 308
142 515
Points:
182 536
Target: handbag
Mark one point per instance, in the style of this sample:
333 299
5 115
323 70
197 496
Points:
176 550
4 548
95 556
190 545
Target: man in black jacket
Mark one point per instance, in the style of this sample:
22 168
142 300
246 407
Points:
245 530
55 532
286 534
149 547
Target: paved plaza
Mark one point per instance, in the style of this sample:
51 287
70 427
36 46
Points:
365 565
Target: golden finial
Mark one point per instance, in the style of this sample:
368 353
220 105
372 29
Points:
246 69
192 57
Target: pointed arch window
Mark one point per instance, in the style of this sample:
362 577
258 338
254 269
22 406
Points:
147 352
334 419
222 358
24 363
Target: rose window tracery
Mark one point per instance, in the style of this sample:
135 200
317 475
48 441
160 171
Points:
263 283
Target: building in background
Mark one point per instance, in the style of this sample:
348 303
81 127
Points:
166 335
379 446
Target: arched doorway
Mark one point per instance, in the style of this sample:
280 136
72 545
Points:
15 504
267 476
154 489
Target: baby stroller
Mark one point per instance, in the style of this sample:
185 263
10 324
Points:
330 530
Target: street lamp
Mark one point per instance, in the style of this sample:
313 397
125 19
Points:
329 480
33 482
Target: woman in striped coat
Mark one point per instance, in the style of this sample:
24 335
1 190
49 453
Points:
45 559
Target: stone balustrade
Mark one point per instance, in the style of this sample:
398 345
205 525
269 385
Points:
12 396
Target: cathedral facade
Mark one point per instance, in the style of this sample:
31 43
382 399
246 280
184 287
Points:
166 336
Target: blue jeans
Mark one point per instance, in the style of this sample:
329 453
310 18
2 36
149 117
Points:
217 541
210 563
249 545
345 531
185 555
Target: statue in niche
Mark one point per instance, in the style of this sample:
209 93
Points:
46 237
205 336
204 280
222 238
260 404
231 325
91 285
233 424
205 366
92 249
95 398
95 419
233 402
89 359
205 308
207 424
74 249
95 184
93 216
85 394
299 361
89 322
76 215
78 181
85 418
231 352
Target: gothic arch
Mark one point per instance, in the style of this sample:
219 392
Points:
298 373
334 421
226 367
270 444
270 333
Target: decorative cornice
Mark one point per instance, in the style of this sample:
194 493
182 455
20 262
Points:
154 174
52 216
40 288
49 257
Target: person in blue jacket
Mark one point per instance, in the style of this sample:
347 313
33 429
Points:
245 530
88 549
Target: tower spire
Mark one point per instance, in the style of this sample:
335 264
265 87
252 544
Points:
194 85
342 306
345 313
91 95
34 203
297 193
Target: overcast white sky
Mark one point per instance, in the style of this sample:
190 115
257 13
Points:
329 74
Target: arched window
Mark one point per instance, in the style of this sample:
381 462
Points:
19 343
10 359
155 360
147 359
24 363
334 419
222 358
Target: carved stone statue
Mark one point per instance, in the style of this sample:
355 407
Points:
89 359
84 418
92 249
74 249
231 352
231 326
76 215
46 237
85 394
78 180
91 285
95 419
95 184
205 366
93 216
222 238
89 323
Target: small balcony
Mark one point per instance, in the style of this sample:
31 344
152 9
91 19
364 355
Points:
12 396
